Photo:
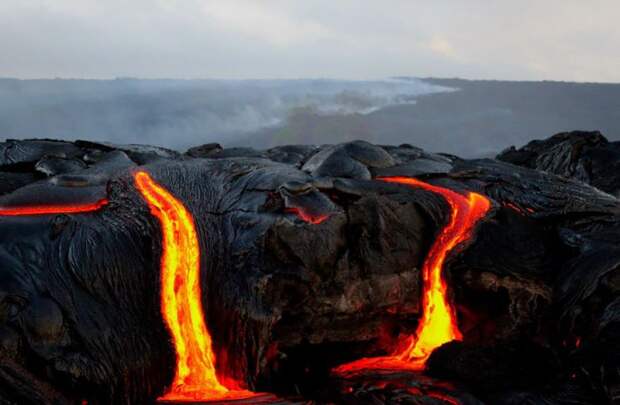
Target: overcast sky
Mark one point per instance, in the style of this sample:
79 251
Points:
525 39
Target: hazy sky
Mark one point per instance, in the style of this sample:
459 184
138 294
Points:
525 39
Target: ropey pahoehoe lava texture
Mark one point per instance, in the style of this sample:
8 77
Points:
308 259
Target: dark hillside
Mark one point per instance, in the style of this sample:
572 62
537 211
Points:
479 120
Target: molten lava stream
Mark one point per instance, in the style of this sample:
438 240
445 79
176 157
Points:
195 377
52 209
438 323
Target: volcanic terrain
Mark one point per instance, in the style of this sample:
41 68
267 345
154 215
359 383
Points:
349 273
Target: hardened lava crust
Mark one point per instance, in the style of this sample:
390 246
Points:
307 261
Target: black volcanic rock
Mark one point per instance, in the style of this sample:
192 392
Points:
308 262
399 387
13 152
204 150
349 160
51 166
503 366
585 156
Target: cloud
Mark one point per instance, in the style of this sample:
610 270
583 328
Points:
251 19
530 39
442 47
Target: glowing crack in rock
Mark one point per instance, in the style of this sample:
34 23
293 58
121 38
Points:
307 217
195 376
52 209
437 324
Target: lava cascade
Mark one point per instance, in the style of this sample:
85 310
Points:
438 323
52 209
195 376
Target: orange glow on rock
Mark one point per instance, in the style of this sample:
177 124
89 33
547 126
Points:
52 209
181 300
437 324
306 217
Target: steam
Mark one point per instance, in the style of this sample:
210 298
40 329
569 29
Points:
182 113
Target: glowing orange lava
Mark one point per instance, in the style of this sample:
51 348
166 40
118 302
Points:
307 217
195 377
52 209
438 322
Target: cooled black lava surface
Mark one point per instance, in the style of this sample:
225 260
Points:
585 156
286 300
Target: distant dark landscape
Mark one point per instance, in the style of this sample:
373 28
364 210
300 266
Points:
463 117
480 119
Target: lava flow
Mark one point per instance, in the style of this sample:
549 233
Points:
438 323
52 209
195 376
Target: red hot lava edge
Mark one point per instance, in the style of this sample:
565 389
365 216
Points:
52 209
438 324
